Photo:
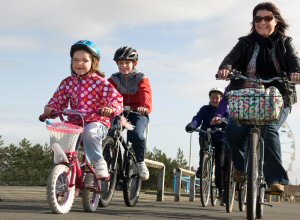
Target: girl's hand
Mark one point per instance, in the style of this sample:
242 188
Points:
223 74
142 110
106 111
295 77
48 111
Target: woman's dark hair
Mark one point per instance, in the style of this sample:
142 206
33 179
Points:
281 26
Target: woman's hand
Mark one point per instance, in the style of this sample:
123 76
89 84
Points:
142 110
295 77
106 111
223 74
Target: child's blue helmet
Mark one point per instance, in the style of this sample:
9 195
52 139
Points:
86 45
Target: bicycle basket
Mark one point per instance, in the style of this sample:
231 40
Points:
65 134
255 106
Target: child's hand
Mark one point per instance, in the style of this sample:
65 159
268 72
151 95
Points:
106 111
48 111
142 110
215 120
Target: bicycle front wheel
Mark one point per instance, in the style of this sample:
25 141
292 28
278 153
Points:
213 187
131 183
60 196
110 153
252 175
205 179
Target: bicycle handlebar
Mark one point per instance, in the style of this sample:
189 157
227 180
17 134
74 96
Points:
209 130
235 74
67 112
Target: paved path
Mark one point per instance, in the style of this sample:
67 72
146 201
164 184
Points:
29 203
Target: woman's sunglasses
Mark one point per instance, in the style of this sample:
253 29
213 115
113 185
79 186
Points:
258 19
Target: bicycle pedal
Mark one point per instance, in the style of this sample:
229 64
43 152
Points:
267 204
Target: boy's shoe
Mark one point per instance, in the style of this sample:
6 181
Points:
221 197
101 169
277 187
143 170
238 176
198 172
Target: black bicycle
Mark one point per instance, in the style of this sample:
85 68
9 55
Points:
266 107
122 164
208 187
232 187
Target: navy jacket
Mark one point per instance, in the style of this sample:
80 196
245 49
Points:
203 118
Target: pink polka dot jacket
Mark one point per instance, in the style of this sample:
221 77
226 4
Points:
87 94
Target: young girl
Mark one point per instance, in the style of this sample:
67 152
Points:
87 91
136 90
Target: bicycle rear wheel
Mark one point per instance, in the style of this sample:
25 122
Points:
260 202
131 183
90 193
252 175
205 179
110 154
242 192
230 187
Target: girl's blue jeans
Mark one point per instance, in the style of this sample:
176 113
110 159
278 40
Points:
93 135
236 136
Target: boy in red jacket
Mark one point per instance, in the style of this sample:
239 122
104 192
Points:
135 88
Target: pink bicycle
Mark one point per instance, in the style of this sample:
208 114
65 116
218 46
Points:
69 172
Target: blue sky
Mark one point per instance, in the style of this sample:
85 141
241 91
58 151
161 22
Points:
180 43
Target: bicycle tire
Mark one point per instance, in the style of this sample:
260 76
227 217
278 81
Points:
110 154
230 187
262 183
90 195
132 183
60 196
242 196
252 175
260 203
213 187
205 180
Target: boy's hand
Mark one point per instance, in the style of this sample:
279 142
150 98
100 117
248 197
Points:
142 110
215 121
106 111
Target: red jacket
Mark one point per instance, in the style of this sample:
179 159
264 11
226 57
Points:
135 89
88 94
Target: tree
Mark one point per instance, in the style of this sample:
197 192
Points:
1 141
181 161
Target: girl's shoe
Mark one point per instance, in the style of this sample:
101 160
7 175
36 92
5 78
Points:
101 169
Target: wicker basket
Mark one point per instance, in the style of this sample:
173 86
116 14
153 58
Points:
65 135
255 106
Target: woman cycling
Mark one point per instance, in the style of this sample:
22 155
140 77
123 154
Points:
264 53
